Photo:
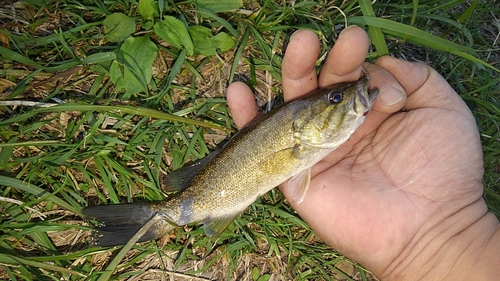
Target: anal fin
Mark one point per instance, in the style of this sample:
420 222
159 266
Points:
216 226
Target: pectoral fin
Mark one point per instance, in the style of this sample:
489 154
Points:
278 162
299 184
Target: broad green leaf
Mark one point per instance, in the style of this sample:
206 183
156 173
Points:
175 33
255 273
206 44
118 27
132 70
218 6
148 9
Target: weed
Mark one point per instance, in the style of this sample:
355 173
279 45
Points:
100 98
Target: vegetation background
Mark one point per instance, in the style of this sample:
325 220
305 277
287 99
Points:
99 98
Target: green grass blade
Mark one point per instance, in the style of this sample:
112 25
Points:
374 31
126 109
239 53
46 40
37 191
123 252
220 20
414 14
18 261
176 68
95 150
420 37
9 54
34 143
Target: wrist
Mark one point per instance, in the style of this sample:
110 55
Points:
485 267
462 246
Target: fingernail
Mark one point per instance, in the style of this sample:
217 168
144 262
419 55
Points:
390 96
295 32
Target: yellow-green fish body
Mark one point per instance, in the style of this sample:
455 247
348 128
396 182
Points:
280 145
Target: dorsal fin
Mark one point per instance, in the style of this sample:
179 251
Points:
180 179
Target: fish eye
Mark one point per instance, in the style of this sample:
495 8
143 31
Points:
335 97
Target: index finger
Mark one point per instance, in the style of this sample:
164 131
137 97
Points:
299 64
344 62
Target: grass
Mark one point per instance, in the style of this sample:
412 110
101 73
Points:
119 129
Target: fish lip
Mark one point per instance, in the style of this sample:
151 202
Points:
366 95
368 99
363 92
363 99
372 95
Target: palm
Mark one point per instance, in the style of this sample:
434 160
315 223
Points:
401 173
409 169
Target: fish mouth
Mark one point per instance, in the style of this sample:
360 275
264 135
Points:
372 95
367 98
362 99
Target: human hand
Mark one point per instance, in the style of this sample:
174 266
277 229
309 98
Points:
407 182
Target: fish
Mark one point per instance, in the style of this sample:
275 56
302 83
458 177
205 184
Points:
280 145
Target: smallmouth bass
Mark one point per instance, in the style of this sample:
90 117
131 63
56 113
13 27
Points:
280 145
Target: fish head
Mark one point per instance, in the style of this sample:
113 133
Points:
327 117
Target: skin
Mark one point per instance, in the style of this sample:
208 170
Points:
403 195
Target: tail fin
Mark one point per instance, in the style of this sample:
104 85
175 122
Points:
122 221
